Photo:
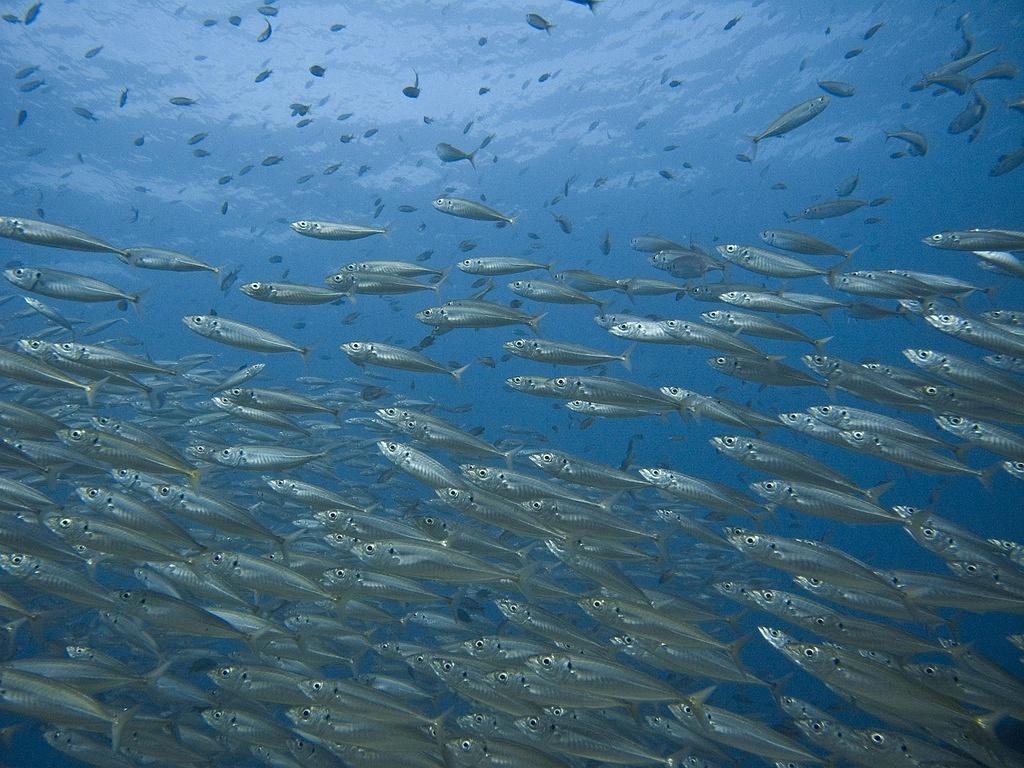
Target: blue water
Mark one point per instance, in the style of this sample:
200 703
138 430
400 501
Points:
593 99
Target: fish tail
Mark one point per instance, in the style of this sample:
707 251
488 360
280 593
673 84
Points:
304 352
849 254
626 357
471 157
534 322
117 726
985 476
91 389
194 476
819 344
457 373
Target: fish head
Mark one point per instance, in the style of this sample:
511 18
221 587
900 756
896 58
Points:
548 461
432 315
92 495
443 204
23 277
518 345
64 525
201 452
76 437
257 289
376 553
309 718
34 347
551 666
357 351
723 363
678 394
19 564
201 324
942 240
775 490
730 251
391 415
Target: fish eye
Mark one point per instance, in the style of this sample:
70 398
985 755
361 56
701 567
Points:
92 493
225 672
16 559
519 343
447 666
479 645
731 248
226 452
306 713
931 390
466 745
936 238
369 549
809 652
547 661
255 286
502 677
356 345
817 726
533 722
198 320
126 595
877 738
729 440
65 522
857 434
750 540
217 557
720 360
768 595
928 533
561 381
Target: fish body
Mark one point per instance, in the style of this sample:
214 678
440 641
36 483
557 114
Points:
53 235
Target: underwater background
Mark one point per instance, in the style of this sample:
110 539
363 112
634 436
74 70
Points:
625 120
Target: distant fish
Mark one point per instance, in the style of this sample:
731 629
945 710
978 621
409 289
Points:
22 117
182 101
451 154
317 71
123 98
793 118
413 91
83 112
265 34
837 88
93 51
731 23
539 22
263 75
32 13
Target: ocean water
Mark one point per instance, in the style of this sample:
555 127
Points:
630 120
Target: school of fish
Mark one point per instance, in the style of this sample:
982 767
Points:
206 564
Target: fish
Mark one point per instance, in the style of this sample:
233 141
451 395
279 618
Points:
800 242
238 334
451 154
162 259
67 285
182 101
837 88
828 209
325 230
918 144
53 235
793 118
467 209
389 356
539 22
